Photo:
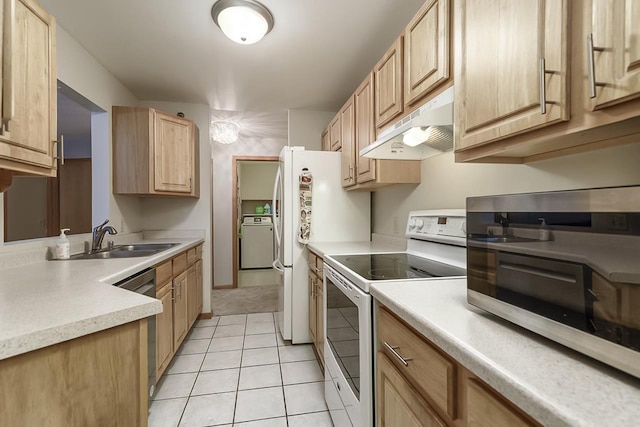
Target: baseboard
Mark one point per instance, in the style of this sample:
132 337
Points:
203 316
223 287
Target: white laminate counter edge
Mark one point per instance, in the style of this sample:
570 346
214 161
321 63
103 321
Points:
49 302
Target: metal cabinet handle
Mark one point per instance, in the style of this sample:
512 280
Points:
405 361
62 150
592 66
543 88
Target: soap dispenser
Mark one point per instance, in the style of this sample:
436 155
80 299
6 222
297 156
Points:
545 234
62 245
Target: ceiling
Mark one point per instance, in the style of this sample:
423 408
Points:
168 50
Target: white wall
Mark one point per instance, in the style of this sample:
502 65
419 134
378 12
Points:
446 184
306 127
187 214
82 73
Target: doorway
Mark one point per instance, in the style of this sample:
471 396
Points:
253 248
37 207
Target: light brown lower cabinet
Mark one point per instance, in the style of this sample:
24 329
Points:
179 288
95 380
316 305
399 403
164 330
420 385
180 320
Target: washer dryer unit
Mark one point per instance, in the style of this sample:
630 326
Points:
257 242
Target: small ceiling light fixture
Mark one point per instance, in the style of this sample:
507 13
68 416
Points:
243 21
224 131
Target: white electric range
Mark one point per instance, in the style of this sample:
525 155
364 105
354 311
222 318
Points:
436 250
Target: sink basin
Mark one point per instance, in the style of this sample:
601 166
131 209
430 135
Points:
127 251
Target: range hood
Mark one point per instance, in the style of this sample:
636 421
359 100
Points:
426 132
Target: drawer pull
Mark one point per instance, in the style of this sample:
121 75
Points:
405 361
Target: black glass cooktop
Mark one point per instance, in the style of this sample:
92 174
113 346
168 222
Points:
397 266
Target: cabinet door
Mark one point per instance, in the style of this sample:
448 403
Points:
164 332
347 134
312 306
388 81
398 403
510 54
326 140
173 154
179 309
199 290
29 89
486 409
365 130
319 319
334 133
426 50
192 295
616 39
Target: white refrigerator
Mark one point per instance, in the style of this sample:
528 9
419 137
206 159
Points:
336 216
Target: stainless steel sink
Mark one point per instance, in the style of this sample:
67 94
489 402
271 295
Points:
127 251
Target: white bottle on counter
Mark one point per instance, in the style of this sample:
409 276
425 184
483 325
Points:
62 245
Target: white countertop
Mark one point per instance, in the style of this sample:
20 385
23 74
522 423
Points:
48 302
555 385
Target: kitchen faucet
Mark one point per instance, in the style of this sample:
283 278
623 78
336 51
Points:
98 235
503 220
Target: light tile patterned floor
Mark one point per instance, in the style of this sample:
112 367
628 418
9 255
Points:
237 371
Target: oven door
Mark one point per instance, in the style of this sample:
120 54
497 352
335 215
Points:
348 351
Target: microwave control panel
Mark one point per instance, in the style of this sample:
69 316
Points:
441 223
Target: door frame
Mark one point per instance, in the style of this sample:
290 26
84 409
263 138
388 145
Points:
234 205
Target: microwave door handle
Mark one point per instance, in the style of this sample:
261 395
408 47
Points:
539 272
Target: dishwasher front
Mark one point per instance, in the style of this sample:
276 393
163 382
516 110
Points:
144 283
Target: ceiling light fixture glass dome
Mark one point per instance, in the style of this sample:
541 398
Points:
243 21
224 131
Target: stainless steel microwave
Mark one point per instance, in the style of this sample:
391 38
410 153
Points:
563 264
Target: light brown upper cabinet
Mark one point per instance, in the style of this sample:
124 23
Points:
365 129
334 133
512 73
502 84
614 51
326 140
388 85
347 135
426 50
154 153
28 90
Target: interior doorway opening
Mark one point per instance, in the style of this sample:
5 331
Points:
253 247
38 207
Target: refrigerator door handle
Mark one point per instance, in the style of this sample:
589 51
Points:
276 217
276 265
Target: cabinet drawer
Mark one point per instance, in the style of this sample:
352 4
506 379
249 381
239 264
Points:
166 287
485 408
164 273
179 263
311 260
433 373
191 256
199 252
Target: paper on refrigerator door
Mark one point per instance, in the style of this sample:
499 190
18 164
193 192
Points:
306 186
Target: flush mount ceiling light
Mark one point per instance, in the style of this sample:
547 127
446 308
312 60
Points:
243 21
224 131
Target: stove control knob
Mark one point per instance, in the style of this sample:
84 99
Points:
419 224
463 227
412 223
